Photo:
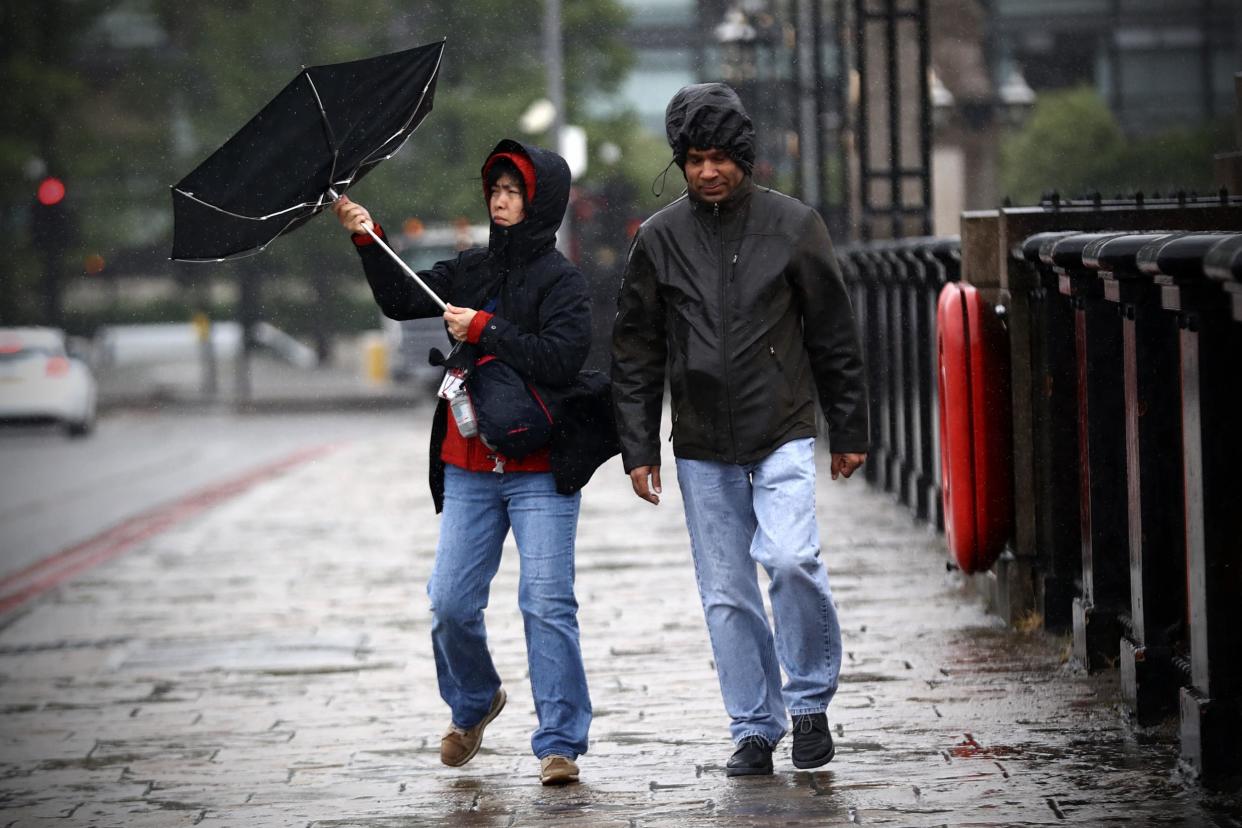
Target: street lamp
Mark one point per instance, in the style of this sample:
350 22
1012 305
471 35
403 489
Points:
942 99
737 46
749 37
538 117
1016 96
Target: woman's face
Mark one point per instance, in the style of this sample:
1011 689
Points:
505 201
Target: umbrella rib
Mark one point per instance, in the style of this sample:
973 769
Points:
316 204
327 126
243 254
413 112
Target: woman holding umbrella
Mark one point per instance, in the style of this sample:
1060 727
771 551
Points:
522 302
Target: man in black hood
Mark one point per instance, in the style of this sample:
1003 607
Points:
734 291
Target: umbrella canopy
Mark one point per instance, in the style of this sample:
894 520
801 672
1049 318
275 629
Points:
327 129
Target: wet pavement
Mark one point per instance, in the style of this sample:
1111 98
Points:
266 662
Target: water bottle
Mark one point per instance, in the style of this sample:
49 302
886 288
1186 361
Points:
453 389
463 413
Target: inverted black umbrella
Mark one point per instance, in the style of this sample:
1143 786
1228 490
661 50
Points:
327 129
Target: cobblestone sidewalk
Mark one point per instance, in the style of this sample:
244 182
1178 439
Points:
268 663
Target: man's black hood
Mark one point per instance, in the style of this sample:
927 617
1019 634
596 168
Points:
548 175
706 116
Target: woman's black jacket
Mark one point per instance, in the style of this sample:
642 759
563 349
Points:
541 327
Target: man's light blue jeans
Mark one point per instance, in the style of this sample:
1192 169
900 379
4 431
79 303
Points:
740 515
479 509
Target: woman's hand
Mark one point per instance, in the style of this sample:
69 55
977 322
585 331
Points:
458 321
353 217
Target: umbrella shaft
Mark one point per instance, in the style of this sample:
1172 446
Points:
439 302
371 232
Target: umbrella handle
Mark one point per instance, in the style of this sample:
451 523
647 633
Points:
371 232
439 302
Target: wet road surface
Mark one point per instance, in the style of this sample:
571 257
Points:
57 491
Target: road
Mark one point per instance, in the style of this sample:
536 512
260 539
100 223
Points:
56 492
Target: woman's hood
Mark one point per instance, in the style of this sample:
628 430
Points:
546 176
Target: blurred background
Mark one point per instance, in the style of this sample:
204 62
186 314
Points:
890 117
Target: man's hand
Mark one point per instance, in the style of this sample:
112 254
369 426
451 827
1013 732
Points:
353 217
638 479
846 463
458 321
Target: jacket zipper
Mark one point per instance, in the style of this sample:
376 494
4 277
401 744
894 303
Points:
724 330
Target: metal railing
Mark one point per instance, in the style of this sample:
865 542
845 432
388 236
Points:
1124 325
893 286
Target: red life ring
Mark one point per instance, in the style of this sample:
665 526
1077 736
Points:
976 443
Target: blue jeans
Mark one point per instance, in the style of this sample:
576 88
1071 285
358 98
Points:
740 515
479 508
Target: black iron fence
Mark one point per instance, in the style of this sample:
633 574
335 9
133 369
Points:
1124 336
894 286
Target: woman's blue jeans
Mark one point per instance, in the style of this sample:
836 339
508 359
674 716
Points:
740 515
479 509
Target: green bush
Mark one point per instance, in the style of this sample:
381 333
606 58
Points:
1072 144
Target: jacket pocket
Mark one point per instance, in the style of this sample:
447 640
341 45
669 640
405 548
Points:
775 359
677 389
785 386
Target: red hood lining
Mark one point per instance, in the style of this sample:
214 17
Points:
525 167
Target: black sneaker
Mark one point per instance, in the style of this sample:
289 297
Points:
753 757
812 743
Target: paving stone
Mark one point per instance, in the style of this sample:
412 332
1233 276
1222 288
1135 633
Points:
267 663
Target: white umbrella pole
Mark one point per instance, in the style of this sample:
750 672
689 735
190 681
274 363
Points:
439 302
371 232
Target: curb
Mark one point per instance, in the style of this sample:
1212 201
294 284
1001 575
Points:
20 588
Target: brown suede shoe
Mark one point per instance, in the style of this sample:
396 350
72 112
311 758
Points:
557 770
459 746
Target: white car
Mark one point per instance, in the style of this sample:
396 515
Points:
40 382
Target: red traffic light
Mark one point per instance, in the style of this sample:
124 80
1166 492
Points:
51 191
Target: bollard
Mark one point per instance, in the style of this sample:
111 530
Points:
209 384
1153 627
1103 532
1210 346
374 358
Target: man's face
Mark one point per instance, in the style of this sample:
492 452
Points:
505 201
711 174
